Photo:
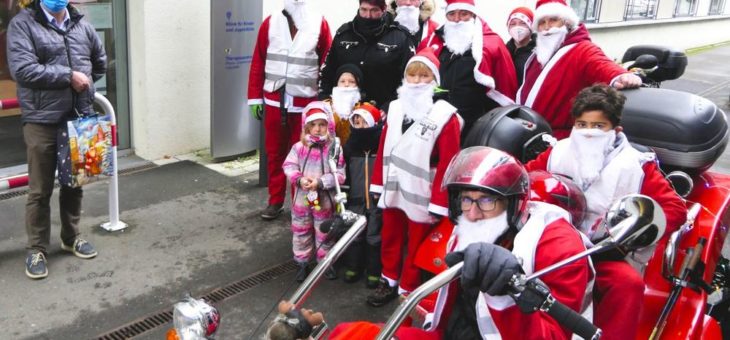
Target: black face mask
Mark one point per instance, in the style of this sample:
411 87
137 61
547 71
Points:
369 27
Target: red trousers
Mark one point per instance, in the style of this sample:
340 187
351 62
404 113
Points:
617 294
398 233
278 140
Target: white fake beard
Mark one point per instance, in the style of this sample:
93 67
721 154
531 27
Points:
548 42
408 17
591 146
344 99
298 11
416 99
458 36
487 231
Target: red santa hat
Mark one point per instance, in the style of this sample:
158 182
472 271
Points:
428 57
368 112
467 5
558 8
523 14
315 110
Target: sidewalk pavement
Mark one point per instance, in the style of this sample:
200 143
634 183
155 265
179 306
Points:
194 228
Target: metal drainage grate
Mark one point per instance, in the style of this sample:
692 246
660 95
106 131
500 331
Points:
164 317
22 192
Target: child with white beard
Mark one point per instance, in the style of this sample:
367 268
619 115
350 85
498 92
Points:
419 139
600 159
345 96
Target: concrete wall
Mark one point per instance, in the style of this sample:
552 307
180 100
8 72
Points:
169 83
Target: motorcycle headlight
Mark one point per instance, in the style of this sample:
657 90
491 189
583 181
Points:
195 319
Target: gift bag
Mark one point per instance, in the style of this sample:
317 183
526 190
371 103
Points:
85 150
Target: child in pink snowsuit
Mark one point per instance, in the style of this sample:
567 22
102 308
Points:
307 169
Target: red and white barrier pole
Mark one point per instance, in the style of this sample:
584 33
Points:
22 180
13 182
7 104
114 223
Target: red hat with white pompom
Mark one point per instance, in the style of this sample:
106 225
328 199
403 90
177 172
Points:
466 5
555 8
368 112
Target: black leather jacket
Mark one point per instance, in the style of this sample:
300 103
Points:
382 60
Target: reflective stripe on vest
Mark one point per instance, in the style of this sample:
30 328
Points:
293 63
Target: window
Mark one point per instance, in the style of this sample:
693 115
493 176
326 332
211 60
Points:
685 8
717 7
640 9
587 9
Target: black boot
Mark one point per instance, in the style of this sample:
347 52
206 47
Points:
302 272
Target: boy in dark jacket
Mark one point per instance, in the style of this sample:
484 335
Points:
360 151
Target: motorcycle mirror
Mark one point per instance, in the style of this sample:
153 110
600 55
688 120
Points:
646 61
634 222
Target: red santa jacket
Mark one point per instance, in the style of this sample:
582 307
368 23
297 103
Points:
256 93
551 90
568 285
495 69
654 186
447 145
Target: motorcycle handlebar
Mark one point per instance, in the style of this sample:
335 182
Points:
573 321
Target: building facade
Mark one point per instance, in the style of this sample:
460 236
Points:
159 51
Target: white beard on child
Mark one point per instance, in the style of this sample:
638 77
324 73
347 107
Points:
344 99
408 17
416 99
548 42
590 147
487 230
458 36
298 11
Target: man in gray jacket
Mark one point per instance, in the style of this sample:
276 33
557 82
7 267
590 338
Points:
54 56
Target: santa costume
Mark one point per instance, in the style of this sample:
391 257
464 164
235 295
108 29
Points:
290 48
482 77
549 87
410 164
619 288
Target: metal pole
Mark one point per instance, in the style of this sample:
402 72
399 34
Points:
114 223
415 297
305 288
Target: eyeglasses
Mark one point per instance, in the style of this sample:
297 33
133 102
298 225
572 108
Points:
485 204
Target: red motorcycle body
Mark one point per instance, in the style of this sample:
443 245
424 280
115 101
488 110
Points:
687 319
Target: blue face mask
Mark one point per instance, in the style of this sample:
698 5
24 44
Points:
55 6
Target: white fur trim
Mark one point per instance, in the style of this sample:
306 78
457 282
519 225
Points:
376 188
255 101
462 6
437 209
500 98
428 63
364 114
556 9
313 117
522 18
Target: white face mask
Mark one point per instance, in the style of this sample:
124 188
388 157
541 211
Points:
458 36
590 146
519 33
344 99
416 99
487 230
408 17
548 42
298 11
